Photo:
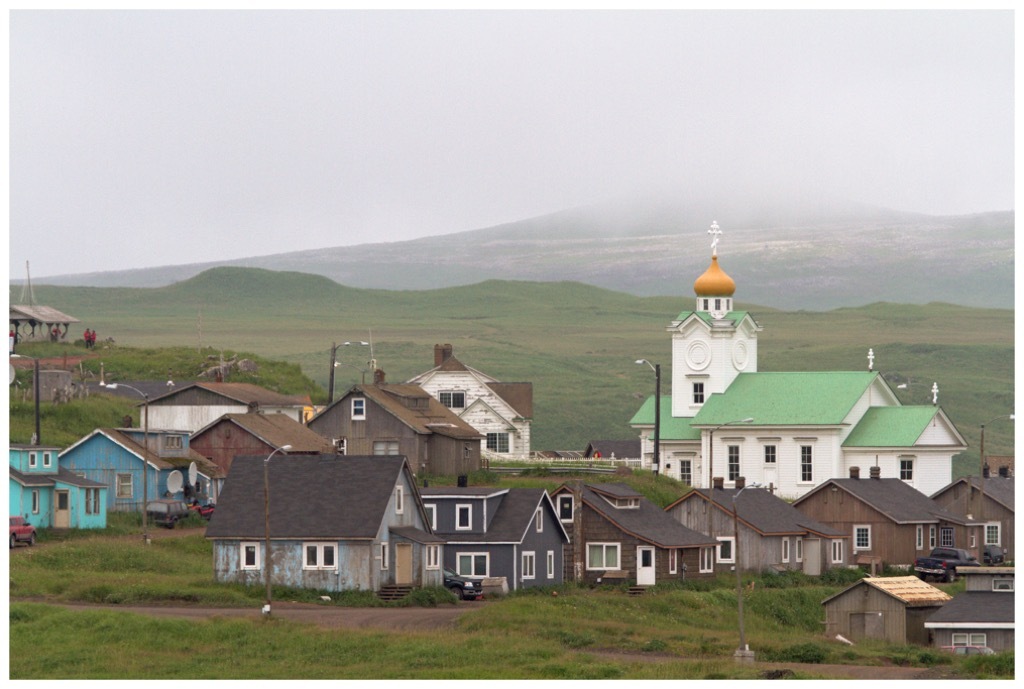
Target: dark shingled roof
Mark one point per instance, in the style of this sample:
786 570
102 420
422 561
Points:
765 513
892 497
998 488
276 430
332 497
620 449
983 607
510 521
244 393
63 475
648 522
434 417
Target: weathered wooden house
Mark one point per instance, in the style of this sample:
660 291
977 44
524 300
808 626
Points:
501 412
50 496
995 510
892 609
887 521
336 523
772 533
234 435
116 458
402 419
196 405
982 615
490 532
617 535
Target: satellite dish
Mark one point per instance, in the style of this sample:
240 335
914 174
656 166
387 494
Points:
174 481
12 374
192 474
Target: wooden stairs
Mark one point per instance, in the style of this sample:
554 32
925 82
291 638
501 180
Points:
637 590
392 592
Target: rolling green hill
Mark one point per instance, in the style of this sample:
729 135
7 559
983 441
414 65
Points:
576 343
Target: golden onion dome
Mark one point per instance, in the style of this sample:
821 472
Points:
714 282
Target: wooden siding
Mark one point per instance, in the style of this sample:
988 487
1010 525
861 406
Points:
996 639
225 441
962 499
863 611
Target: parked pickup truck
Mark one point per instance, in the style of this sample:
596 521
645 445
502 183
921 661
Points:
22 531
942 563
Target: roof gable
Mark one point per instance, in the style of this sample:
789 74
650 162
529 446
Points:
998 488
903 427
761 511
893 498
646 522
238 393
430 416
273 429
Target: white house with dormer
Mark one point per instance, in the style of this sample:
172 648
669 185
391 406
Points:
502 412
790 431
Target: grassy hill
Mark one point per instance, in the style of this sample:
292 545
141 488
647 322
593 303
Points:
576 343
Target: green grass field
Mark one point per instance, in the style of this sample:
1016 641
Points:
577 344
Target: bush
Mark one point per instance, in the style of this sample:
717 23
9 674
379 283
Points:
841 576
798 653
999 666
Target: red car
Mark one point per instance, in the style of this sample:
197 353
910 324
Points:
22 531
205 511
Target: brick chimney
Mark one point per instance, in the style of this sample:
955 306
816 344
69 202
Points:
741 481
378 376
876 472
718 482
854 472
442 353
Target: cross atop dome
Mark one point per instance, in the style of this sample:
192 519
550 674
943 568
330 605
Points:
715 233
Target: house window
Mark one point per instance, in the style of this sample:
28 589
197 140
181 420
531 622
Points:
399 499
497 442
384 555
529 566
123 485
698 393
685 471
249 555
319 556
358 409
33 460
919 541
799 549
1002 584
785 550
551 564
946 537
433 557
725 549
341 445
806 464
539 520
906 469
463 517
92 500
769 454
565 508
673 560
965 639
862 537
473 564
707 559
837 552
385 447
431 511
931 537
35 502
734 462
172 442
453 400
47 460
602 555
992 533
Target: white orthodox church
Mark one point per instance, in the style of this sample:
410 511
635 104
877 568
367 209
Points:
789 431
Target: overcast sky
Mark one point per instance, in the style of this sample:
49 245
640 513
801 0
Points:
152 138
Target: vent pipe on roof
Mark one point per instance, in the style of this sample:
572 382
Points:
718 482
854 472
1004 471
876 472
741 482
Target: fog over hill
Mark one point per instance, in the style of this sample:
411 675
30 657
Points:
824 255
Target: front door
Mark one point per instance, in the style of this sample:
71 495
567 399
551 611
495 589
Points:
645 566
403 564
812 556
61 510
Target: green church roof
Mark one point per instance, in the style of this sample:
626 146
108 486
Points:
787 399
672 427
891 426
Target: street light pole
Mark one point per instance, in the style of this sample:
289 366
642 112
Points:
743 653
334 364
145 462
266 522
656 464
711 460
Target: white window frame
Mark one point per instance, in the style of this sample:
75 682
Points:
539 520
384 555
47 460
433 557
1002 584
120 484
673 560
33 460
473 560
974 540
999 533
399 500
360 403
685 471
732 453
837 551
906 469
173 442
866 529
319 548
562 498
257 555
468 509
450 404
799 549
947 537
785 550
92 500
731 540
970 639
431 510
707 559
806 462
931 537
551 564
498 437
698 392
605 547
529 564
773 452
385 448
35 501
919 539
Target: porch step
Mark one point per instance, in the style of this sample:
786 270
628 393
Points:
393 592
637 590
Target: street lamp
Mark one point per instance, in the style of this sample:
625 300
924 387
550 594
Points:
657 412
334 364
266 522
711 460
981 476
145 462
743 653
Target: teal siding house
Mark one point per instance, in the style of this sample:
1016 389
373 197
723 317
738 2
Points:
48 496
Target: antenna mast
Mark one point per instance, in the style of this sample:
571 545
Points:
26 289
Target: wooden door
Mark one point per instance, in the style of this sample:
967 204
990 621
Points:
403 564
61 510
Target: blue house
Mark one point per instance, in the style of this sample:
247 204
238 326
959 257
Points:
115 459
49 496
513 533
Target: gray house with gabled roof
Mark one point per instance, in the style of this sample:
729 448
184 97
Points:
990 502
336 523
982 615
772 533
499 532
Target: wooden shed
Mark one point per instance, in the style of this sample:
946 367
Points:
893 609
